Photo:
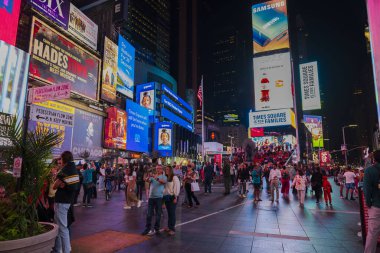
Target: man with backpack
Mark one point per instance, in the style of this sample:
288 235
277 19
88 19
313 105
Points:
257 181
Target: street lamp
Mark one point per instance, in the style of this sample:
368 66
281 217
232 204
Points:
344 141
231 137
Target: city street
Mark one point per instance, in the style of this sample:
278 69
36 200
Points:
223 224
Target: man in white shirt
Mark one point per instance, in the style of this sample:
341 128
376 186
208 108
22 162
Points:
350 182
274 179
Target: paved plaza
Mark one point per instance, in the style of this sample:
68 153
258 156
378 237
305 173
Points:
223 224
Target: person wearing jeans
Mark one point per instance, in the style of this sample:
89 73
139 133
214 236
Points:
371 189
66 183
274 178
157 184
87 185
171 192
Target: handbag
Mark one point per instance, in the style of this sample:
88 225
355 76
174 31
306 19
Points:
195 187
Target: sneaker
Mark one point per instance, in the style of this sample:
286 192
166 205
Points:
244 196
89 205
84 205
127 207
341 197
330 204
145 232
151 232
139 204
166 229
76 204
260 200
171 233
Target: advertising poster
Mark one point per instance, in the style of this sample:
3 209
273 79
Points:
272 82
283 117
82 27
115 129
109 71
56 10
145 96
324 158
230 118
263 141
137 127
163 143
55 60
311 99
270 26
314 125
14 65
373 9
88 133
125 68
47 114
9 13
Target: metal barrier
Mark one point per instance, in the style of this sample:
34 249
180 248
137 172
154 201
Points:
364 216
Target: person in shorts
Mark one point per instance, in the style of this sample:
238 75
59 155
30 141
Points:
350 182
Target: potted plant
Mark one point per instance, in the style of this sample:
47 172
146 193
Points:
20 230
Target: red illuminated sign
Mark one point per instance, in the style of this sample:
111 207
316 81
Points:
9 13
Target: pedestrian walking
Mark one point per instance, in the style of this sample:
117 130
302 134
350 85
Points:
102 173
316 183
243 178
285 183
350 182
227 177
189 178
299 183
371 187
340 179
157 182
274 180
327 190
130 189
171 193
140 183
87 185
208 175
256 180
66 184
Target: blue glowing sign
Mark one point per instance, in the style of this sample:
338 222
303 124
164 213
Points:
163 138
176 108
171 116
176 98
125 68
146 97
137 127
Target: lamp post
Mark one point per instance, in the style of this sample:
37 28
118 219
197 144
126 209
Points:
231 137
344 142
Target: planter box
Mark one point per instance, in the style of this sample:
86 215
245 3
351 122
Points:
42 243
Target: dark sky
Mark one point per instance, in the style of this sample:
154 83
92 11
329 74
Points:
336 40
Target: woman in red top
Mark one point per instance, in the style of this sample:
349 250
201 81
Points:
326 190
285 182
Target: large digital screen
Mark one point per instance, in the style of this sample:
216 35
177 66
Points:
14 64
56 59
283 117
137 127
48 115
314 125
373 10
56 10
9 13
168 103
176 98
176 119
126 68
270 26
82 27
109 75
88 134
115 129
146 97
272 82
231 118
311 99
164 138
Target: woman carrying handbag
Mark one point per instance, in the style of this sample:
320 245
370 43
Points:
189 178
171 192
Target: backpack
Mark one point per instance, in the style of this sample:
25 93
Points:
256 177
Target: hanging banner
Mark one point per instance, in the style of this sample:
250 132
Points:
314 125
56 60
9 13
270 26
272 82
55 117
125 68
311 99
87 136
56 10
109 71
283 117
82 27
115 129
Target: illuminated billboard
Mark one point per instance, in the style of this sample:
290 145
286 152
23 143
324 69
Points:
311 99
56 59
272 82
270 26
115 129
145 96
56 10
164 138
283 117
125 68
88 134
231 118
314 125
14 66
373 10
9 13
137 127
109 75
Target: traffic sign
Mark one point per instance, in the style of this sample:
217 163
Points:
50 116
49 92
17 164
